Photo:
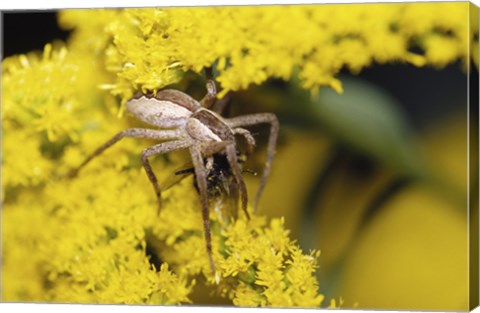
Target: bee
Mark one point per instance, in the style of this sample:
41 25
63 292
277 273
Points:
222 189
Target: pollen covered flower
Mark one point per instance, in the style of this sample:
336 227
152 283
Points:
38 92
92 248
100 239
277 270
152 48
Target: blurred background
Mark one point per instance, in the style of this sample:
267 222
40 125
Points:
376 178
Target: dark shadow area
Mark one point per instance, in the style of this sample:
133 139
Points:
27 31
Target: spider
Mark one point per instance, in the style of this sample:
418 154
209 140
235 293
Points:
182 122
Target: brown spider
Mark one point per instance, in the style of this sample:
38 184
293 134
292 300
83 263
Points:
185 123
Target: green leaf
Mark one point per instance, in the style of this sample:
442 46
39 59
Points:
369 120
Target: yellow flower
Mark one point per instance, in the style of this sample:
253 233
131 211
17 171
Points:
38 92
23 164
101 240
153 48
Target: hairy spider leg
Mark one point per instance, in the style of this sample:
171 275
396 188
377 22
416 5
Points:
229 146
201 176
254 119
209 99
131 132
248 137
160 149
237 173
213 147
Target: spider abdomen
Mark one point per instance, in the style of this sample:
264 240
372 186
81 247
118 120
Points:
161 113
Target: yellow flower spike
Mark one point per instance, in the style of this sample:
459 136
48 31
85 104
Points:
246 296
173 288
105 262
23 164
45 92
417 60
24 61
440 50
253 44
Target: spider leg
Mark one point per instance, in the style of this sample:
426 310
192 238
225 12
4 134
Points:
211 95
237 173
254 119
160 149
213 147
132 132
248 137
201 176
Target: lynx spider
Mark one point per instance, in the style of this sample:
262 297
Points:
185 123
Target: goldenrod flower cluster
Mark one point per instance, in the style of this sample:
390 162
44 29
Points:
93 238
152 48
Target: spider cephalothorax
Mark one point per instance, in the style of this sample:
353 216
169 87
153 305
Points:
184 123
